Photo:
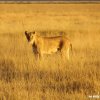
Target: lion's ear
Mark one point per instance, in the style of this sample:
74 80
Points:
33 32
26 33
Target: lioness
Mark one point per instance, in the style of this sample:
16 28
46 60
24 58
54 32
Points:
49 45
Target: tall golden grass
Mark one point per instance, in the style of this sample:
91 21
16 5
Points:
22 77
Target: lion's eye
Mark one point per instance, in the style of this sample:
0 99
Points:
31 36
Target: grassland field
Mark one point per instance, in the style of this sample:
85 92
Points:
22 77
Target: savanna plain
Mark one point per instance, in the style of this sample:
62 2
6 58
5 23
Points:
22 77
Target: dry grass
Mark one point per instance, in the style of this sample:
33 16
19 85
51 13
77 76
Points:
24 78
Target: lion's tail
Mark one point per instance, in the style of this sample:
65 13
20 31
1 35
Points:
71 47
